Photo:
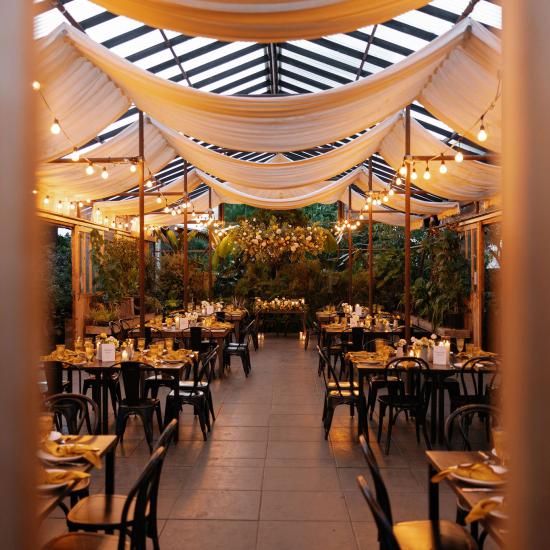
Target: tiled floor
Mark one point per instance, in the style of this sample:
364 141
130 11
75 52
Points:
267 478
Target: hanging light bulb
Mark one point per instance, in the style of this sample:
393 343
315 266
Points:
88 201
159 200
361 217
369 199
149 184
442 167
104 173
47 200
173 212
178 211
36 85
482 134
59 205
403 169
75 155
166 209
120 225
414 175
34 191
427 174
72 206
55 128
90 169
391 192
459 157
385 199
398 181
133 168
80 204
106 221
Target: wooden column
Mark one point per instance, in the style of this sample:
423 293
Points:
20 304
185 241
526 267
371 247
408 227
210 278
221 211
350 250
141 225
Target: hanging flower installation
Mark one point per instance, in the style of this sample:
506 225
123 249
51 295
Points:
270 243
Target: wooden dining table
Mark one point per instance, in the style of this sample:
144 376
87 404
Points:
441 460
106 445
437 373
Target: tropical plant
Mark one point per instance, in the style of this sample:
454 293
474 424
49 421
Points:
101 314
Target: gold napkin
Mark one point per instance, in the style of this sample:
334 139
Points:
477 471
483 508
87 452
50 477
220 325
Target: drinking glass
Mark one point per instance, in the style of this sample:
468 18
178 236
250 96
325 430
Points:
500 444
78 344
460 344
169 344
140 344
89 351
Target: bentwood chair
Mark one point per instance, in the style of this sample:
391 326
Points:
135 402
414 400
134 515
336 392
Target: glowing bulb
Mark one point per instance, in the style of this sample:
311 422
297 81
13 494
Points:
88 201
159 200
403 170
173 212
104 173
75 155
149 184
459 157
391 192
369 199
133 168
385 199
55 128
80 204
361 216
166 209
398 181
34 191
414 175
36 86
72 206
59 205
90 169
120 226
442 167
106 221
47 200
482 134
427 174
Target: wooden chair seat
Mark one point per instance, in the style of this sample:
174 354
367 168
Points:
84 541
143 403
417 535
343 384
343 393
99 511
189 384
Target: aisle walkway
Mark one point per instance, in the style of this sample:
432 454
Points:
266 478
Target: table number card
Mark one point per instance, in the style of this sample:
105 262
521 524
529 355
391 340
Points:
441 355
107 352
209 310
184 323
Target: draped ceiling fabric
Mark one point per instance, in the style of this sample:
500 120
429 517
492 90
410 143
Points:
302 121
281 174
469 180
200 204
71 181
262 20
80 95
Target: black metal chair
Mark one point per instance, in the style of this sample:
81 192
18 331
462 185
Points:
133 515
96 382
241 350
117 331
337 392
55 381
201 339
408 534
135 402
195 396
414 400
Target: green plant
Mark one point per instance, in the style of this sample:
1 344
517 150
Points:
101 314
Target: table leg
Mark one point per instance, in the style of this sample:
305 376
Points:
110 472
105 405
220 356
362 409
433 411
441 409
433 495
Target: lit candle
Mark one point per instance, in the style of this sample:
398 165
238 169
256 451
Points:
124 355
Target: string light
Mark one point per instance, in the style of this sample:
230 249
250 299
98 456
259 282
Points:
442 167
403 169
36 85
71 206
104 173
427 174
459 157
414 175
391 192
398 181
173 212
88 201
90 169
55 128
80 204
59 205
47 200
385 198
159 200
34 191
75 155
149 184
482 134
133 168
166 209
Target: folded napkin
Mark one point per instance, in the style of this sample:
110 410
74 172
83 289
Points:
88 452
79 438
178 355
53 477
483 508
478 471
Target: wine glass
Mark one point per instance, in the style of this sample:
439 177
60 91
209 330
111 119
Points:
89 351
140 344
460 345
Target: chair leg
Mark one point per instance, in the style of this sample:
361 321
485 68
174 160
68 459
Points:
211 404
159 416
147 419
392 417
206 414
328 418
425 433
121 419
372 399
202 422
325 408
381 414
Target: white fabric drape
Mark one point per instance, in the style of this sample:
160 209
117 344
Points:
304 121
390 217
80 95
130 207
200 204
282 174
469 180
71 180
261 20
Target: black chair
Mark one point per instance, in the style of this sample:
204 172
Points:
201 339
336 392
468 387
133 515
117 331
417 535
56 382
96 382
135 402
414 400
220 316
241 350
194 396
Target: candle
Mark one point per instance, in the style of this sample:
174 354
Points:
124 355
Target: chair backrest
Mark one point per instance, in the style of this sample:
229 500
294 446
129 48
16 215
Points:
385 529
460 421
325 365
166 436
75 409
416 369
144 497
220 316
470 370
357 339
246 335
130 372
116 330
54 376
196 338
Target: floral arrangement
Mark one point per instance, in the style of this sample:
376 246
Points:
104 339
401 343
424 342
280 304
270 242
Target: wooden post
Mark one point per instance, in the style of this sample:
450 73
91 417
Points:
408 227
350 250
185 242
141 226
371 247
221 211
210 279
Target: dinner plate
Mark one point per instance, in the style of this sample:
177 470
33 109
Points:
44 455
55 436
483 482
173 361
497 512
369 363
47 487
